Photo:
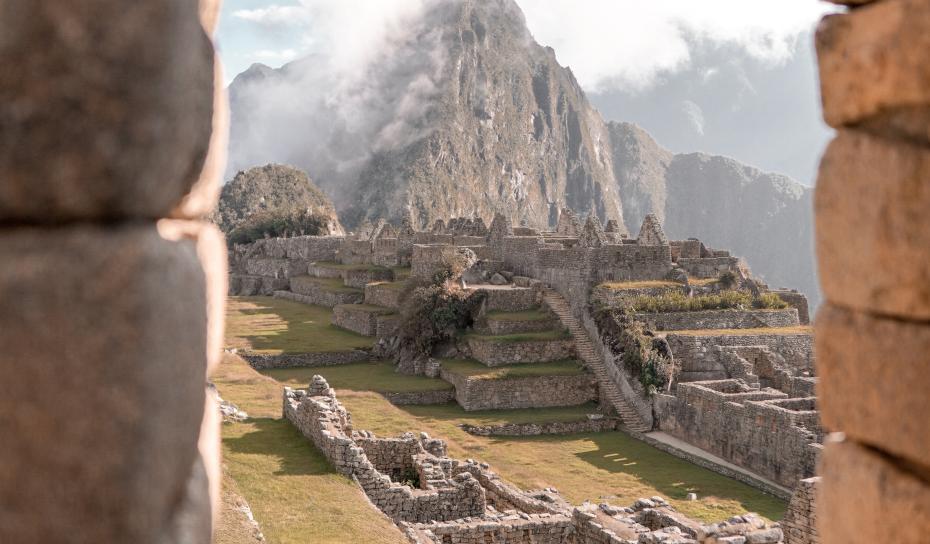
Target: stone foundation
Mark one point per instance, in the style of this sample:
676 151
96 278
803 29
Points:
477 393
361 318
499 353
260 361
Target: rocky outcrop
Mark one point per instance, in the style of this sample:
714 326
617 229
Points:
274 187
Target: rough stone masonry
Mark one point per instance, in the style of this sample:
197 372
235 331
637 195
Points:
873 249
112 141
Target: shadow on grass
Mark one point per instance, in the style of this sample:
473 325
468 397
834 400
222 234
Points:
277 438
291 327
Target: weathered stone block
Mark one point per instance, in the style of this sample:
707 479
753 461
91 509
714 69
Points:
866 497
873 244
874 375
211 252
105 331
110 120
873 64
205 193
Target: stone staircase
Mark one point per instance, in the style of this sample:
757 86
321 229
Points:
594 362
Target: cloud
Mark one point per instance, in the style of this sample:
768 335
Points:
274 55
694 114
628 44
274 15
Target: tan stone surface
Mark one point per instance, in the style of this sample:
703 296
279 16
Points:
874 377
210 14
211 252
204 196
873 236
873 60
866 498
105 108
103 333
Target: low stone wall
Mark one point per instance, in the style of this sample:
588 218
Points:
408 398
274 268
511 300
511 326
762 431
719 319
708 267
800 521
360 278
318 416
588 425
247 286
493 353
309 292
796 300
260 361
524 392
383 294
321 270
360 318
512 529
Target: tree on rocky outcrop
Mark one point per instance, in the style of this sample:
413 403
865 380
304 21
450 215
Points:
275 193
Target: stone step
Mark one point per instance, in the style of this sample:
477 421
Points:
584 347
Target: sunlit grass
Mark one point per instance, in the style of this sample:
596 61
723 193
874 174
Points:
273 325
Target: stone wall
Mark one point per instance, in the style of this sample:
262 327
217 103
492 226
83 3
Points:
800 521
512 529
475 393
304 289
760 430
699 360
590 424
261 361
383 294
511 300
360 318
407 398
245 285
708 267
113 285
318 415
493 353
719 319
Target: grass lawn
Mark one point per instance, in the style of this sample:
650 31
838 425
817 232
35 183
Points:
535 314
273 325
560 334
800 329
587 466
375 376
333 285
294 493
468 367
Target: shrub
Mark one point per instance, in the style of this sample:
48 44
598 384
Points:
277 224
431 313
727 280
769 301
628 337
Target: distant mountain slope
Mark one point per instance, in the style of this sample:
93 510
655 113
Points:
465 113
273 187
766 218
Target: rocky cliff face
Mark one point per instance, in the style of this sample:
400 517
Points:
467 114
273 187
763 217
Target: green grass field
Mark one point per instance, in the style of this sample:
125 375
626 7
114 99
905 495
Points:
374 376
297 497
474 369
273 325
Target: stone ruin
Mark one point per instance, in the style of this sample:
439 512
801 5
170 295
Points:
435 499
